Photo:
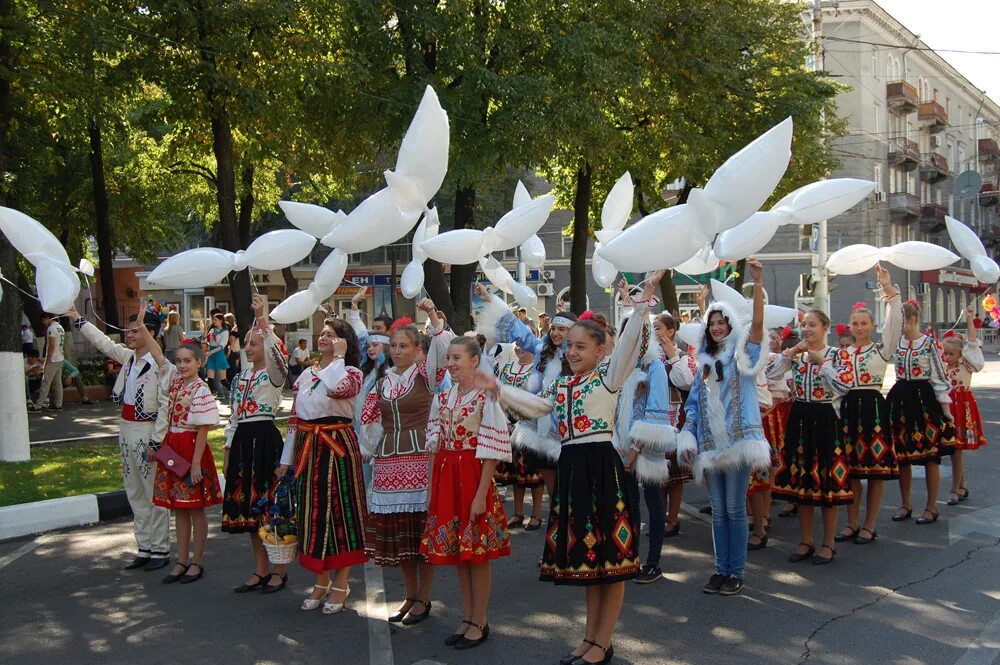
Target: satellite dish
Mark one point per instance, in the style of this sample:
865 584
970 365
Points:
967 184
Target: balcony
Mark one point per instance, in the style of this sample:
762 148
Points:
988 194
901 98
904 153
904 207
933 167
932 116
932 217
988 150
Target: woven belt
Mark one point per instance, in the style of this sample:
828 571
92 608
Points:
324 433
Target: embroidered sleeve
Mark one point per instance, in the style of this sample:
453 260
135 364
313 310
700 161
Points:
627 347
371 420
204 410
350 386
434 422
493 438
840 374
275 361
972 356
893 329
292 432
939 374
432 369
778 367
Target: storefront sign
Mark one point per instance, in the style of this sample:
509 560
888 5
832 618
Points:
950 277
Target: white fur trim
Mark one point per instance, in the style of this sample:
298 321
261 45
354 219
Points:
526 436
626 406
488 319
685 445
747 452
743 363
655 437
651 469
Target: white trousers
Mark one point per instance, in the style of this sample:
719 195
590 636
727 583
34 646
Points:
151 523
52 380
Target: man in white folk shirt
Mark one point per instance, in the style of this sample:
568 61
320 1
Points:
137 391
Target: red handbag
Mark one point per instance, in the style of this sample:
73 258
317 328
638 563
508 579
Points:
172 461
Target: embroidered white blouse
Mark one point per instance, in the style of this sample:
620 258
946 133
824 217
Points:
257 393
322 393
920 360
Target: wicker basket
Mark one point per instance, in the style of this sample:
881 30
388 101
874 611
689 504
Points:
282 552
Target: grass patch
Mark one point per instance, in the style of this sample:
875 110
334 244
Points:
59 471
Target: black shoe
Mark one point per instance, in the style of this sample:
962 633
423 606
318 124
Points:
964 496
410 620
137 563
609 653
155 563
789 510
797 557
533 524
570 659
731 586
275 588
759 545
453 639
928 520
648 574
862 540
247 588
515 522
171 578
398 616
903 514
844 537
705 510
465 642
714 583
673 530
188 579
823 560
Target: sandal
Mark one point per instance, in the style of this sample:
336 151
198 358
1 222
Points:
533 524
568 660
334 608
453 639
188 578
823 560
904 513
847 533
515 521
861 540
465 642
759 545
398 616
953 499
310 604
174 577
412 619
672 530
928 520
609 653
964 496
802 556
247 588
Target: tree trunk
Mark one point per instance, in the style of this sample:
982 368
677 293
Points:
102 223
581 238
291 281
14 442
741 269
437 288
462 276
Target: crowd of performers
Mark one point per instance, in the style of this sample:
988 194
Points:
398 439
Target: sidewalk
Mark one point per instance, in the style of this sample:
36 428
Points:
95 423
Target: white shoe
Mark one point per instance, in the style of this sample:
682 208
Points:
334 608
310 604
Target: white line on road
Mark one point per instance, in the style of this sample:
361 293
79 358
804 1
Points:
379 642
19 552
986 647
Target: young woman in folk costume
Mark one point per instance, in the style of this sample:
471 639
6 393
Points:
322 450
254 445
467 435
962 358
722 439
680 368
593 530
920 413
813 462
523 472
643 433
501 326
856 375
395 419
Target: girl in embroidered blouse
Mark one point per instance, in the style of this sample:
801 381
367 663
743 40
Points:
919 414
962 358
395 419
254 446
812 461
593 530
856 374
320 442
466 527
186 403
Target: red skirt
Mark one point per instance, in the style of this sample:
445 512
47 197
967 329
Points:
451 538
175 493
968 423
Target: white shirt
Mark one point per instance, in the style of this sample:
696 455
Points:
27 336
133 376
54 352
301 355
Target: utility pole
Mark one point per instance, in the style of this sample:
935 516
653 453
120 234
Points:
821 290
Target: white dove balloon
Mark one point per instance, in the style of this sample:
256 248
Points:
604 271
86 268
664 239
823 199
301 305
31 238
331 272
776 316
496 274
297 307
703 262
617 208
971 248
909 255
412 280
379 220
533 252
749 237
461 246
524 294
524 221
315 220
58 286
422 161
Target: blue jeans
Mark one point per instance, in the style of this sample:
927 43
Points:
727 491
653 494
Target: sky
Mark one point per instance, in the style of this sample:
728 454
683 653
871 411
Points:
957 24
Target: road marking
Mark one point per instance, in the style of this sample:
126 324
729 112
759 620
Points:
27 548
986 647
379 642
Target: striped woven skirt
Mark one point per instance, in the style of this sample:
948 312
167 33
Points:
331 511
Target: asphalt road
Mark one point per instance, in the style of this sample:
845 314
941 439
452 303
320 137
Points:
926 594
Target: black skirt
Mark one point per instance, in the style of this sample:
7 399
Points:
919 431
593 529
522 472
253 456
867 436
812 462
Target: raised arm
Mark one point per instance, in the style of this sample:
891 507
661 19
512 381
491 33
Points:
146 339
757 324
630 342
119 352
893 329
972 354
440 339
274 359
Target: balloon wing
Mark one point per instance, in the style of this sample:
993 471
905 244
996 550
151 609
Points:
279 249
379 220
521 195
315 220
497 275
297 307
524 221
853 259
917 255
524 294
664 239
617 208
533 252
58 286
603 270
460 247
331 272
965 239
193 268
31 238
822 200
704 261
422 162
985 269
778 317
747 238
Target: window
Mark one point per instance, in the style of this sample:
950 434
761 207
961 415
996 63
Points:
876 119
877 177
923 89
939 306
875 63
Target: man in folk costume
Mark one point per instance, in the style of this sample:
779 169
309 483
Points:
136 390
